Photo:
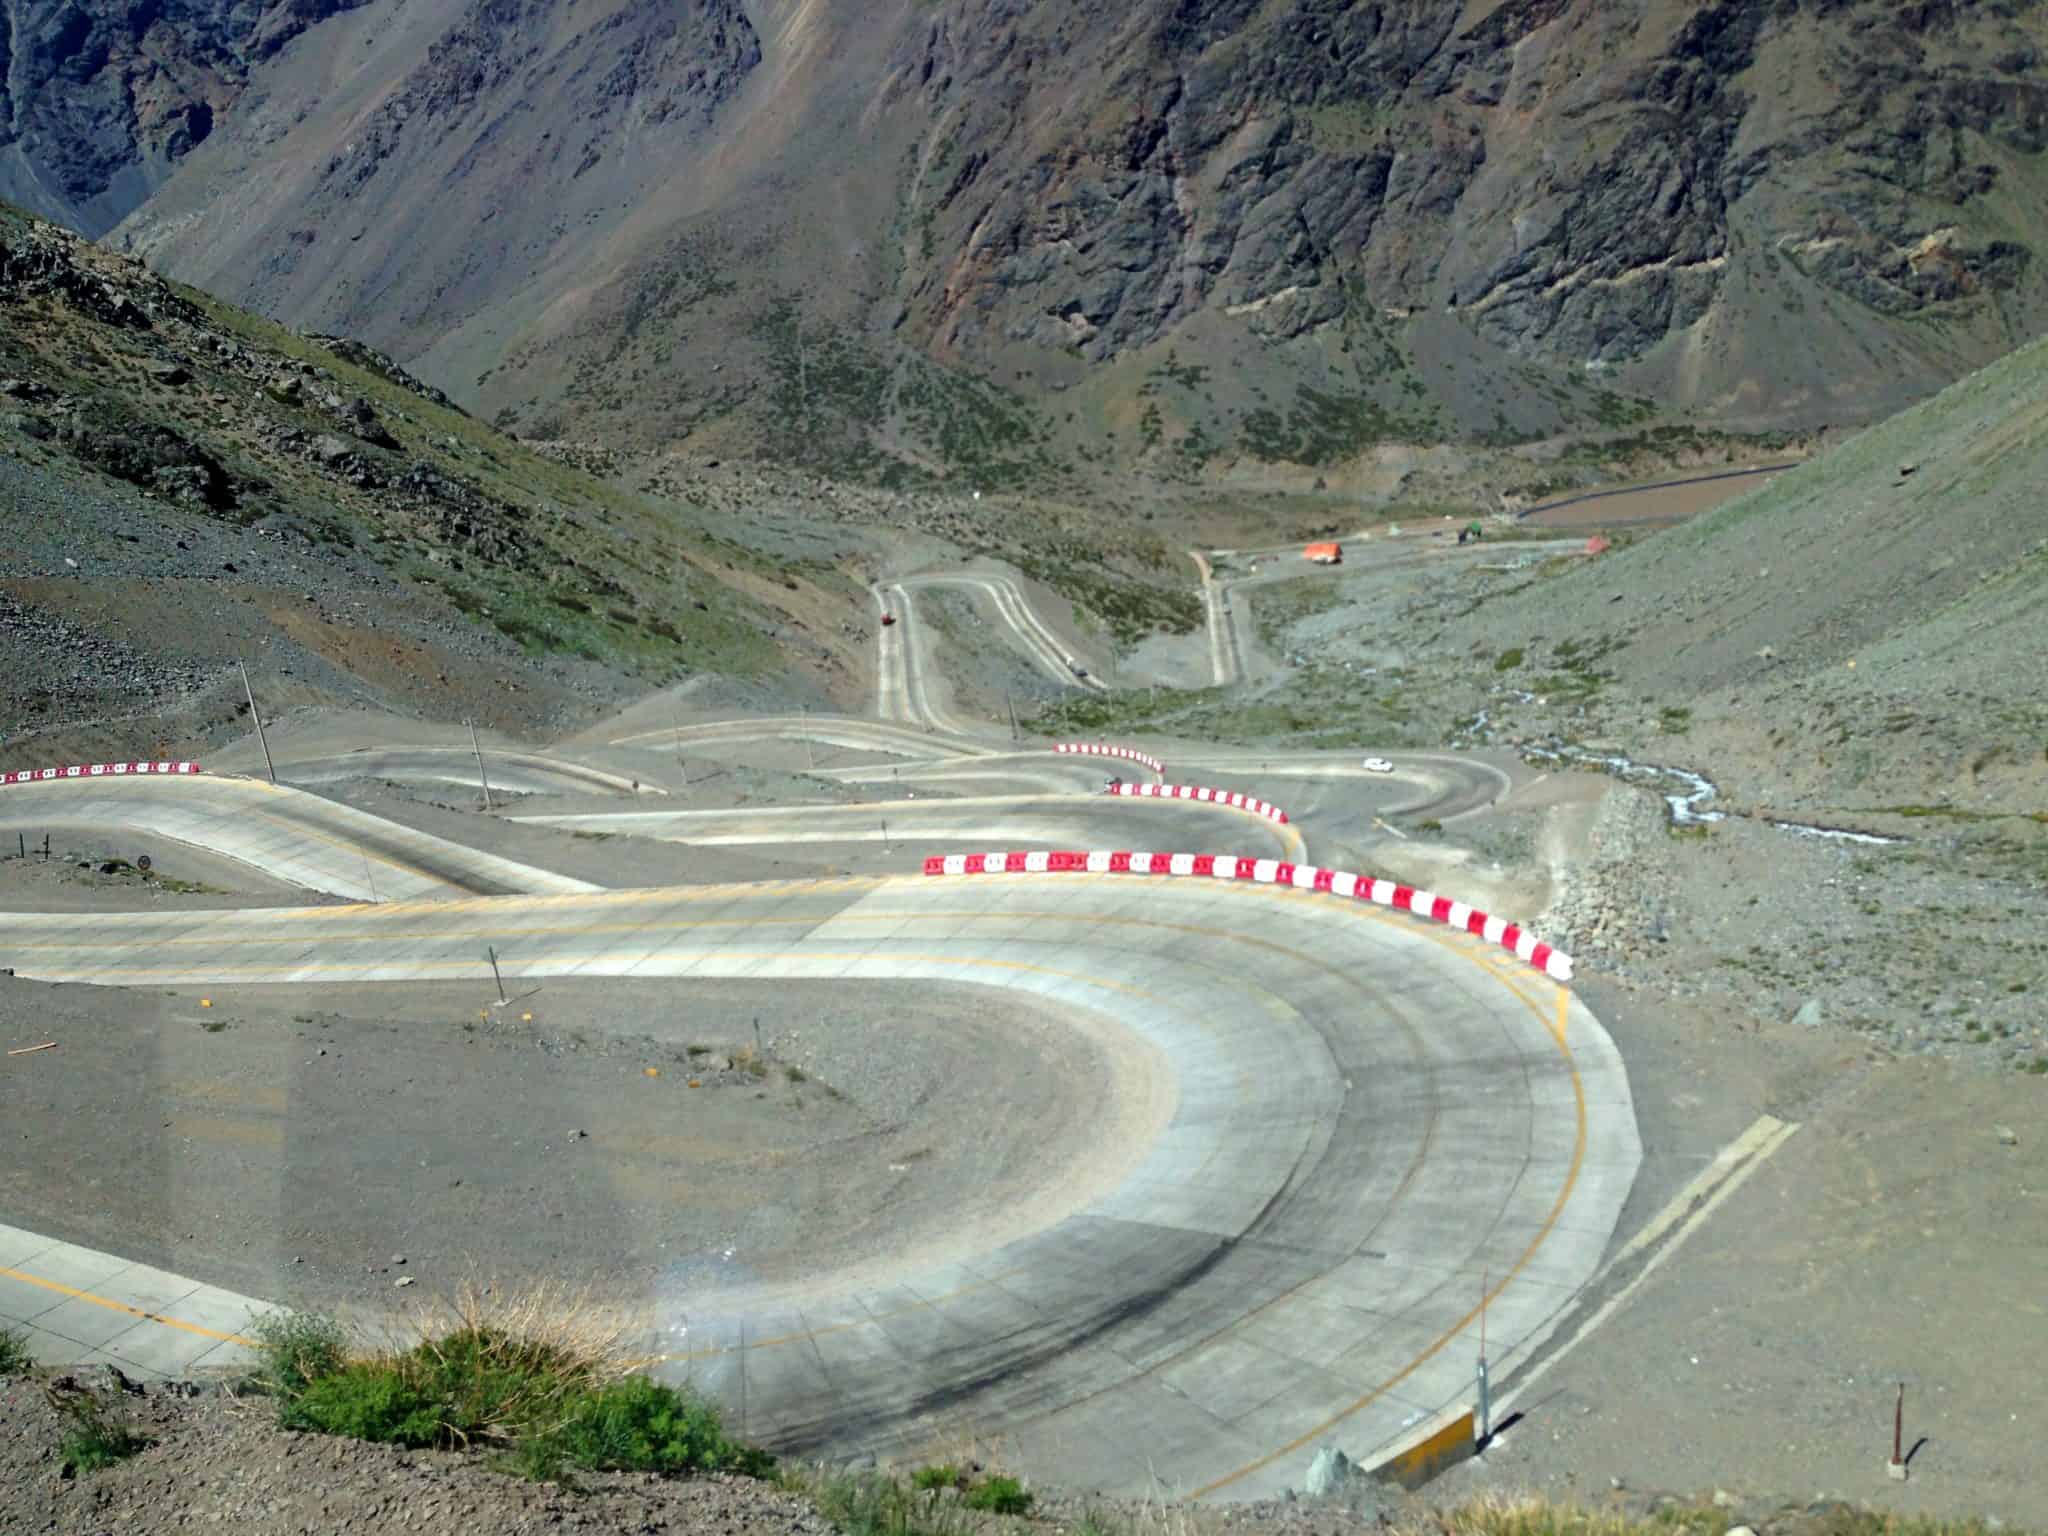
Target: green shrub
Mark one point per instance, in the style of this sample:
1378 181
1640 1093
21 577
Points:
1000 1496
297 1348
553 1401
1508 660
93 1436
873 1505
366 1402
641 1425
14 1356
933 1478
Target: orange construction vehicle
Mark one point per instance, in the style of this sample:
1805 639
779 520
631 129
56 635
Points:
1324 554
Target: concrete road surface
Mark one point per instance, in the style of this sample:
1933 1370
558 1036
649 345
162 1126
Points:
1040 821
295 836
1379 1124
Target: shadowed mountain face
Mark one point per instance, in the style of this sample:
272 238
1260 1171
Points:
901 238
99 100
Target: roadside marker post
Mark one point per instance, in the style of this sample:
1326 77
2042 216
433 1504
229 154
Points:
268 766
1485 1424
484 777
1895 1469
500 980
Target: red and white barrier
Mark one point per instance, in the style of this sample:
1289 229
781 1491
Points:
1202 792
1223 866
93 771
1097 749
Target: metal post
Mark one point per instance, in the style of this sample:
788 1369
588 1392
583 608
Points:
1485 1405
1896 1467
810 752
500 980
370 875
22 839
1485 1425
269 767
743 1381
1010 704
479 751
885 834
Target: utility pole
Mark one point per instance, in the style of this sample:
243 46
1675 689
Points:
268 766
479 751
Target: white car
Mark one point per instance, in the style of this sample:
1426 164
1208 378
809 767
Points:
1378 765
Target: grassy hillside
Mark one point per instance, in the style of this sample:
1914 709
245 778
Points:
1865 629
312 478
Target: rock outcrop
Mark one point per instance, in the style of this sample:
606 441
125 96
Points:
99 100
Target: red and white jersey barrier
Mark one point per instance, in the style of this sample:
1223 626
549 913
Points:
1202 792
1223 866
93 771
1097 749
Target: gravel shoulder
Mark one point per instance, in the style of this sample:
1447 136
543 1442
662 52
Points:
92 869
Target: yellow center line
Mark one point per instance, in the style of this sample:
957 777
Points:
76 1294
1456 941
1443 1340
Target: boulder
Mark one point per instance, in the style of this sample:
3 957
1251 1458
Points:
1328 1473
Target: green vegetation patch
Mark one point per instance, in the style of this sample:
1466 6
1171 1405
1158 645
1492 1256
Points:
95 1436
14 1355
1131 609
1326 427
547 1392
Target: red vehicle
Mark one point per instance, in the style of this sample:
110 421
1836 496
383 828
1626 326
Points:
888 619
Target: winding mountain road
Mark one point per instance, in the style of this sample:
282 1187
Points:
1377 1128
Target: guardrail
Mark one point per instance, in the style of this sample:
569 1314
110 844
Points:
1099 749
1203 793
93 771
1307 877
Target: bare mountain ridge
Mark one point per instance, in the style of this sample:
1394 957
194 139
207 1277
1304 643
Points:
755 227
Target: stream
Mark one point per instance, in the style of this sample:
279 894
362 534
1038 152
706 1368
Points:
1689 795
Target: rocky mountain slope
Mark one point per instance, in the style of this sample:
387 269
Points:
981 238
98 102
184 486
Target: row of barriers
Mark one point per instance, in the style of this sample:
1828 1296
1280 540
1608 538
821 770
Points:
1307 877
93 771
1386 893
